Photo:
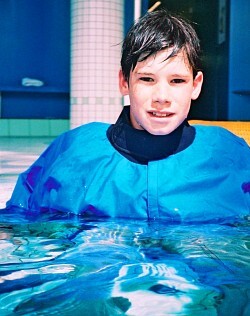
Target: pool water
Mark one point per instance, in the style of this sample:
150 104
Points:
54 264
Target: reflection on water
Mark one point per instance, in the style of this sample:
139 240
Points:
57 265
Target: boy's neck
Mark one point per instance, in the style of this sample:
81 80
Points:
141 147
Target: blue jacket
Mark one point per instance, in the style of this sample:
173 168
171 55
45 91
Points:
82 173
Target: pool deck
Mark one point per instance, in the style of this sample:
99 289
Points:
16 155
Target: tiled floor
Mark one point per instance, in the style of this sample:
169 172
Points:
16 154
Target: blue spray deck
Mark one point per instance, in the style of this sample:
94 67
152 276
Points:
53 264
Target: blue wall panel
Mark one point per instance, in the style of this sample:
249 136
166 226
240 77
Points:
35 43
35 105
239 73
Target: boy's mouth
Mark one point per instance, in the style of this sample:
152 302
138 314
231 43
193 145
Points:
160 114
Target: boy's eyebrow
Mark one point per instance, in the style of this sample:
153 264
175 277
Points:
181 75
144 73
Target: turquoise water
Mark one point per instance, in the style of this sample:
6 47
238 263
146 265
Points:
52 264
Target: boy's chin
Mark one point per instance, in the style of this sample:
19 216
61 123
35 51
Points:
160 132
164 130
159 129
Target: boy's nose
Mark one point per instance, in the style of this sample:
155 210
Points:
161 96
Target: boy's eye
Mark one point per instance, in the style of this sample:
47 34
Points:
177 80
147 79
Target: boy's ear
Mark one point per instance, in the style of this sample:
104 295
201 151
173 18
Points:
198 80
123 84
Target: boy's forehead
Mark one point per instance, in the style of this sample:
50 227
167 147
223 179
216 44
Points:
162 59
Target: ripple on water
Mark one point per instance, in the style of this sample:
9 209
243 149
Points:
53 265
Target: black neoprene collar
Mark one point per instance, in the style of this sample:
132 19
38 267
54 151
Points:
141 147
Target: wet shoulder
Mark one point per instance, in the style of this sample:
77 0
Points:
93 128
79 137
86 132
216 135
214 143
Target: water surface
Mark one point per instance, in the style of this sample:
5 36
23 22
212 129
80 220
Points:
53 264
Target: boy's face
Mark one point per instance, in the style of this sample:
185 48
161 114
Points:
160 92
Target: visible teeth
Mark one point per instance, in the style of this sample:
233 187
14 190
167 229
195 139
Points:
160 114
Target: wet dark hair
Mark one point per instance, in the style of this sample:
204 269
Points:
154 32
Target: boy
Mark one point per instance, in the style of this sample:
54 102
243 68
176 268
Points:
151 163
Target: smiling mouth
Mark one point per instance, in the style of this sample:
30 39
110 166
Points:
159 114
